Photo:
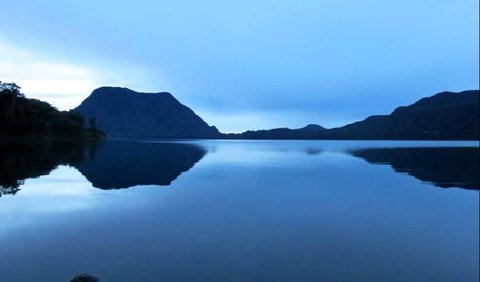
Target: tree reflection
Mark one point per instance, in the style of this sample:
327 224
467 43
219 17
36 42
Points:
20 161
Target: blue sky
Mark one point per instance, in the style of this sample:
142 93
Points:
245 64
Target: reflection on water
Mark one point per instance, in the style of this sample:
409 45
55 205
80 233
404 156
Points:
116 165
244 211
22 161
443 167
110 165
123 164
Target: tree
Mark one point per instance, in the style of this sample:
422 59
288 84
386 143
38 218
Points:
93 123
6 88
21 117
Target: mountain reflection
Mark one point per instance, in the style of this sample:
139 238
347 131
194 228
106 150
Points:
443 167
124 164
107 165
116 165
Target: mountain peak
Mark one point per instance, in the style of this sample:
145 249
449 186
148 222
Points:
125 113
312 127
114 90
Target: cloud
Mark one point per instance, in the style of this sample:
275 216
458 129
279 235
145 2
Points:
64 84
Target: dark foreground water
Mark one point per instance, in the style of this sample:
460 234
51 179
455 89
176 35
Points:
240 211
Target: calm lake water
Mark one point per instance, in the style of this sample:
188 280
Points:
240 211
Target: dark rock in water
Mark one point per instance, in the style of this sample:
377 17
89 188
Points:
85 278
124 113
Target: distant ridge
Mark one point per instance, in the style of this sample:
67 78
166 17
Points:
444 116
312 127
124 113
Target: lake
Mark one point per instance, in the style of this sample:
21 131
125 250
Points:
240 211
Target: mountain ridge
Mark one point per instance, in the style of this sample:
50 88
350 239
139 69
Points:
444 116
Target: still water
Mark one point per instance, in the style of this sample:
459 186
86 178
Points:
240 211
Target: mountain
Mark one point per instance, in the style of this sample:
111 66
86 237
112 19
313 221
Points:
444 116
124 113
312 127
310 131
275 133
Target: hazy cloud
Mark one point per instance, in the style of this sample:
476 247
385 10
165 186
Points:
257 61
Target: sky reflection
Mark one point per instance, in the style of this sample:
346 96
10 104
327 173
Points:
244 205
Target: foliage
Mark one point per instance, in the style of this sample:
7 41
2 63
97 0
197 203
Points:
21 117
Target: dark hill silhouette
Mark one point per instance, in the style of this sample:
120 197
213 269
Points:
276 133
123 164
443 167
444 116
312 127
123 113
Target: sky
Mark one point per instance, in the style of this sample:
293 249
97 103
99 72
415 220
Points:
245 64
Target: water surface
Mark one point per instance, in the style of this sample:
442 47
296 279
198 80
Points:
240 211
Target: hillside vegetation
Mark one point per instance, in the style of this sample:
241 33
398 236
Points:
30 119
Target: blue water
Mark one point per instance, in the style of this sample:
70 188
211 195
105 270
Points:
247 211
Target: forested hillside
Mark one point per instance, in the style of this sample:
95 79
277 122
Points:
23 118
